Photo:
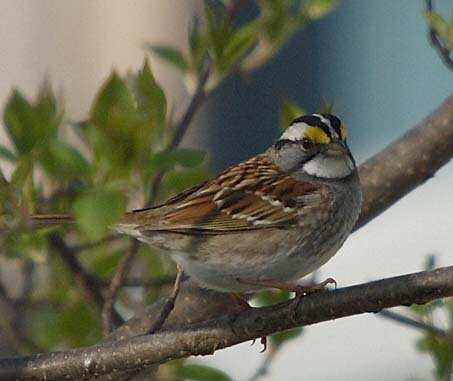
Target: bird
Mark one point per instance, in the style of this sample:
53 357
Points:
265 222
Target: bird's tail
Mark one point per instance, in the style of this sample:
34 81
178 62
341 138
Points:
51 219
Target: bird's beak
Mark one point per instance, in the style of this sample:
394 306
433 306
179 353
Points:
336 148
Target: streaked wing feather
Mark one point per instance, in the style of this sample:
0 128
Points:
252 195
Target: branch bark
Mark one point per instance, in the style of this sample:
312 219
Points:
407 163
204 321
206 337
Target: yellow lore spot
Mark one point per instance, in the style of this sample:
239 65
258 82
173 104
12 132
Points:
317 135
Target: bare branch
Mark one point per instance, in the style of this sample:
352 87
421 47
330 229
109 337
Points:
407 163
88 285
409 322
102 241
206 337
169 303
266 363
115 285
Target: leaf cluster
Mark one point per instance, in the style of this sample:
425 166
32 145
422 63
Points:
438 314
442 27
232 47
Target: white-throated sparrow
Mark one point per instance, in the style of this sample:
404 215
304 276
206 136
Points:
273 218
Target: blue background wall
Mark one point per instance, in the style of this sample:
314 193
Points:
372 58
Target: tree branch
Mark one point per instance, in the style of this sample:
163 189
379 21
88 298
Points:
115 285
206 337
409 322
407 163
87 284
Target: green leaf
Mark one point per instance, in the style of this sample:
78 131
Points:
22 172
104 261
96 210
171 55
64 161
316 9
71 325
290 110
185 157
438 23
3 185
219 31
31 125
150 97
239 44
125 117
272 296
19 120
449 40
282 337
6 154
198 46
179 180
114 104
116 133
201 373
326 106
77 325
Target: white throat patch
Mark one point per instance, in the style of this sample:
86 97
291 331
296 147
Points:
329 167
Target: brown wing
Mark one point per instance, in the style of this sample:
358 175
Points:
252 195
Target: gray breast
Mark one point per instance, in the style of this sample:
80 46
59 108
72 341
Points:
319 244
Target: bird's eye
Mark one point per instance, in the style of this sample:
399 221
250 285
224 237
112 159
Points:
306 143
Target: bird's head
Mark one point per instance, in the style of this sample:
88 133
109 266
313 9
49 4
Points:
316 145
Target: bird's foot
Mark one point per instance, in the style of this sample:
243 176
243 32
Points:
304 290
291 287
242 303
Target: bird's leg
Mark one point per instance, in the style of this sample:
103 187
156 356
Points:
299 290
303 290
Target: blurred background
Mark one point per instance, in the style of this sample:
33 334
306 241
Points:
372 59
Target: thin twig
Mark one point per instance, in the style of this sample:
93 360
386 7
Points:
69 257
234 8
407 321
115 284
437 44
91 245
266 363
137 282
12 326
169 303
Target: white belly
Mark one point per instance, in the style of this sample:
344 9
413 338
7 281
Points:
284 265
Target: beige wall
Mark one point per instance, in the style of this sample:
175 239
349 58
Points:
77 43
